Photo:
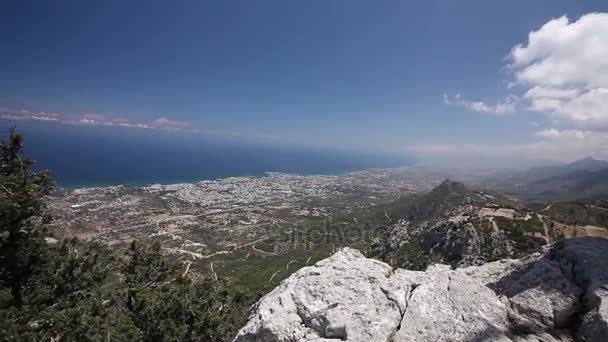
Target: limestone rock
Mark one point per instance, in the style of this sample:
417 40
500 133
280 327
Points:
346 296
451 306
558 295
585 261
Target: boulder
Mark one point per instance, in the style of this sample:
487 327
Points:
346 296
558 295
448 305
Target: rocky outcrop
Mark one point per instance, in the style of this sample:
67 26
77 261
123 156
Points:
559 295
457 226
340 297
458 242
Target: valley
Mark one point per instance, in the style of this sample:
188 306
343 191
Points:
255 231
242 228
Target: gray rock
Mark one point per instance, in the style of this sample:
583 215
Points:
346 296
585 261
555 296
451 306
540 292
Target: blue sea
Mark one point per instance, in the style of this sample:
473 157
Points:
81 156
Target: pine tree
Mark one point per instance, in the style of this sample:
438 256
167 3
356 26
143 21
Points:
22 194
84 291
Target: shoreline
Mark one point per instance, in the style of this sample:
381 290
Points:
195 181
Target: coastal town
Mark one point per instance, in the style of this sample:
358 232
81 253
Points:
199 219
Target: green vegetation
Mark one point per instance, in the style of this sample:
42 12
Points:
254 274
412 256
72 290
591 212
492 249
21 203
470 241
521 234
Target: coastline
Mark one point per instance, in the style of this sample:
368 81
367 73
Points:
92 185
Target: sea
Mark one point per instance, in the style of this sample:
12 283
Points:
82 156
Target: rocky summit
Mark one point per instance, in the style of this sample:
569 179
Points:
560 294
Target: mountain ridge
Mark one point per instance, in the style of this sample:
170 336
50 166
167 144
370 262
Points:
584 178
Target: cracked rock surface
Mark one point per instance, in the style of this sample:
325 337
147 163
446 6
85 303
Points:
559 295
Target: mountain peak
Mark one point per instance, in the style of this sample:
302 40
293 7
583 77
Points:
586 159
451 186
589 163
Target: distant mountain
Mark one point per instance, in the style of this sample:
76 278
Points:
583 184
538 173
589 164
584 178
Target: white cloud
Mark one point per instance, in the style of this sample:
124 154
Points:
567 133
93 120
552 132
44 118
563 53
564 145
87 121
564 67
555 93
508 105
562 72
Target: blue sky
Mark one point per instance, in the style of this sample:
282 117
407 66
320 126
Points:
364 75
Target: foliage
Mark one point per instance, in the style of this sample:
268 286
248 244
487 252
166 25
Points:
21 205
168 305
412 255
521 234
73 290
84 292
588 212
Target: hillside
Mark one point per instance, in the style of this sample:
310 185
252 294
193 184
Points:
455 225
582 212
571 186
443 201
